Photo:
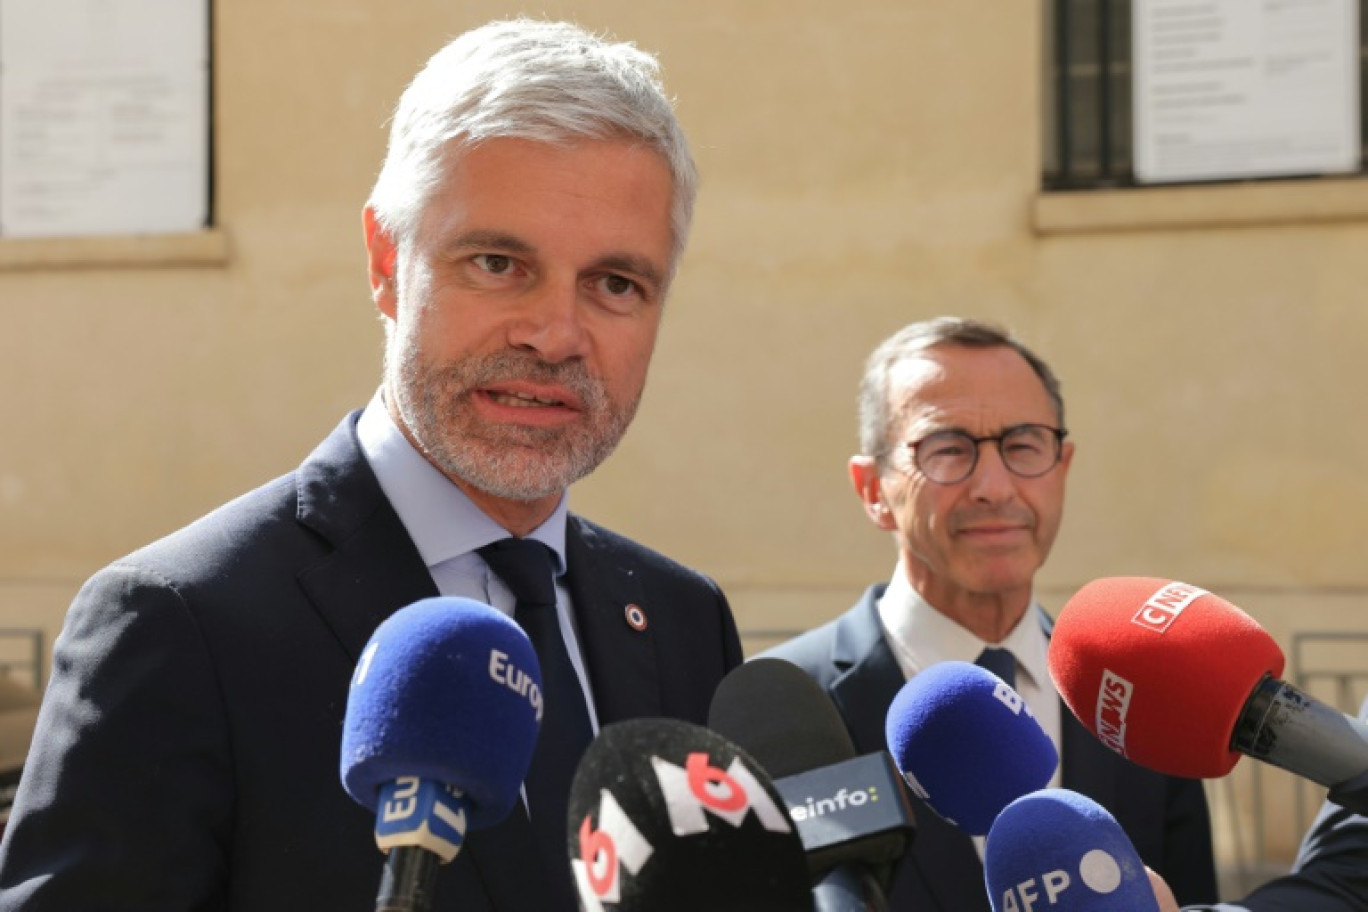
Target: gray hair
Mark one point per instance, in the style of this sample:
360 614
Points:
912 340
527 79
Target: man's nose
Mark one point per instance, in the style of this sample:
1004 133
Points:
991 480
549 321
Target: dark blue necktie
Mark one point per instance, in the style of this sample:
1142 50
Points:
525 565
1000 662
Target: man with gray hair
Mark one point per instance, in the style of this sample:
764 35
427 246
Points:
520 239
963 458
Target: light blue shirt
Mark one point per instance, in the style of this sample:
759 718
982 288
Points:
447 528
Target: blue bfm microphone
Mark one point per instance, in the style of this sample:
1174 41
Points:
441 720
967 744
1061 851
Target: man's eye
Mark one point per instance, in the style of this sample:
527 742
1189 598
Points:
618 285
495 263
949 446
1026 440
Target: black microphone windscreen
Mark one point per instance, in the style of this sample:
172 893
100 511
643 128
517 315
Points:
849 809
667 816
782 716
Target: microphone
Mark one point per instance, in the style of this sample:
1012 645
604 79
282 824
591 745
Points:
852 812
1182 682
441 720
967 744
1058 850
667 816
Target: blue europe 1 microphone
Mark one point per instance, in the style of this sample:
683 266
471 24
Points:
852 811
967 744
1058 850
667 816
441 720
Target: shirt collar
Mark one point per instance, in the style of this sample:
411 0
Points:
921 636
442 521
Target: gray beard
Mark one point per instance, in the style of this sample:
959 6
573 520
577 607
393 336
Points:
510 462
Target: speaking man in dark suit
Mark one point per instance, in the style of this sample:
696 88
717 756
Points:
521 238
963 461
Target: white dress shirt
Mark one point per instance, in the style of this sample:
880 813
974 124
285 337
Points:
921 636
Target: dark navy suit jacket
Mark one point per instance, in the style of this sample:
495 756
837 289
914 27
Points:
186 755
1166 818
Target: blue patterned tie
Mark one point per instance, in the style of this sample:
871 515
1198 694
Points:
525 565
1000 662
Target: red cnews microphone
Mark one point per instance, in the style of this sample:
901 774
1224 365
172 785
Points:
1182 682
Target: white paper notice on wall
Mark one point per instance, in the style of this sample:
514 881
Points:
1228 89
104 117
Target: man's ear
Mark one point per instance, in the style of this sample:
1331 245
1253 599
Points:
382 256
864 475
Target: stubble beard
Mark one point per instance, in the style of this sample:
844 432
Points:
512 462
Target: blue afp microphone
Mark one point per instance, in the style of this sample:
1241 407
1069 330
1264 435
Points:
441 721
1058 850
967 744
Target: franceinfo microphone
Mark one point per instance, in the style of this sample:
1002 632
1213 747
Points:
852 812
1060 851
441 721
967 743
1182 682
667 816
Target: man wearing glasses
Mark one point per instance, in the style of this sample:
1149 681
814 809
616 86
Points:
963 459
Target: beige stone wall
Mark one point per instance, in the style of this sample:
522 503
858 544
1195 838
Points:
864 165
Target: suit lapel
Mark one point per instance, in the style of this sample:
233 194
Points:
374 568
373 571
868 675
620 660
942 857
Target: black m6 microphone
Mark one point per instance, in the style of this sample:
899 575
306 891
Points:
852 812
667 816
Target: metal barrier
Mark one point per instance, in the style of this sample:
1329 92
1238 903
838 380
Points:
32 662
1331 666
1268 809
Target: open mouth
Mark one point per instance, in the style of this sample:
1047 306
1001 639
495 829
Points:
530 405
522 400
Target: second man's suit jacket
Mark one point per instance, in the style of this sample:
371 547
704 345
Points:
1165 817
186 755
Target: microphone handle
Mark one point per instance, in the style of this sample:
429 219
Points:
1281 725
408 881
849 888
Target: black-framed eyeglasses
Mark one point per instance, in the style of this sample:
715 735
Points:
949 457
